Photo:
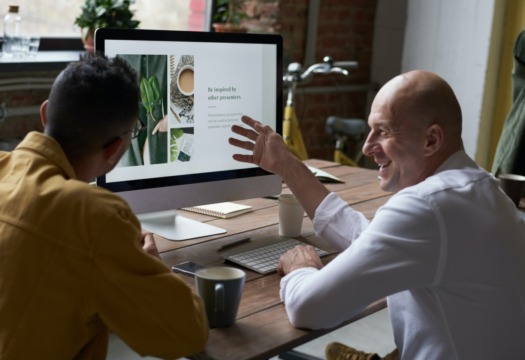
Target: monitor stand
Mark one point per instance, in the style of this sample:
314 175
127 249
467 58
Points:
174 227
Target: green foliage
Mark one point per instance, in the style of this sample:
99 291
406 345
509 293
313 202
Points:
149 92
229 11
106 13
176 134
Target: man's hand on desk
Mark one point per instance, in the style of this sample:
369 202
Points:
299 257
148 244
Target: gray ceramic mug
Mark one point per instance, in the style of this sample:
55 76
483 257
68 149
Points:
220 289
513 185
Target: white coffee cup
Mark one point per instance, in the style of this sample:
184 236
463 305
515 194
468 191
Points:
291 215
185 80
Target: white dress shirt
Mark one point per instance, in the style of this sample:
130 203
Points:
448 252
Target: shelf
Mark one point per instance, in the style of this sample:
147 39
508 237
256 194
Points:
43 61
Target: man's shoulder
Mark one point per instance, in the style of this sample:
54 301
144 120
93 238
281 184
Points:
92 198
450 180
97 207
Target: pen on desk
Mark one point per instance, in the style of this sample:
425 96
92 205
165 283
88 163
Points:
273 197
229 245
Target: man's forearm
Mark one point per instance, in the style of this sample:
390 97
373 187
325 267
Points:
305 186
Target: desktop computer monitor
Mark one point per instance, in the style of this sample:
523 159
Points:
194 87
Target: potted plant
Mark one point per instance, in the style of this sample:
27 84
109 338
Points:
104 13
228 15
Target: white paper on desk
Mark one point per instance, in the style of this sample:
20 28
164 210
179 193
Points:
323 176
223 210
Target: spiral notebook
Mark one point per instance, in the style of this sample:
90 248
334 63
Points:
222 210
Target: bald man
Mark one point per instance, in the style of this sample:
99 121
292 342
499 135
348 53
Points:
447 249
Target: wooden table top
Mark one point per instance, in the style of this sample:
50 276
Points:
262 329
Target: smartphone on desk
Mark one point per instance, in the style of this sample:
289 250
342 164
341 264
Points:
188 268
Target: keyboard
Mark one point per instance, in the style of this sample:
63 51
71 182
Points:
264 259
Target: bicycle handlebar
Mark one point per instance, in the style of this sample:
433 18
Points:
294 73
346 64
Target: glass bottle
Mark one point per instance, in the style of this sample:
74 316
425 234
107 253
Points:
12 31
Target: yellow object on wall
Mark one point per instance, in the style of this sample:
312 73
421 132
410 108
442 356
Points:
514 24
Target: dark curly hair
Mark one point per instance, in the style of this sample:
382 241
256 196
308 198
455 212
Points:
91 102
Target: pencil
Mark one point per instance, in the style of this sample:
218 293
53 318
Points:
234 243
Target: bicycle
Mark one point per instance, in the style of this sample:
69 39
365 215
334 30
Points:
341 128
344 129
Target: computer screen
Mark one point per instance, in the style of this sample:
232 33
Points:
194 86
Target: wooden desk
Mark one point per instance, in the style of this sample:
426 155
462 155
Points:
262 329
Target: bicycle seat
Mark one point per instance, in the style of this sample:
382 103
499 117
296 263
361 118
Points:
345 126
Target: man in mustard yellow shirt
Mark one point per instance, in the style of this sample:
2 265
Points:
74 264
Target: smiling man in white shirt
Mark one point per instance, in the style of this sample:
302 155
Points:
447 250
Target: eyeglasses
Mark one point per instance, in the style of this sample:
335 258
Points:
135 132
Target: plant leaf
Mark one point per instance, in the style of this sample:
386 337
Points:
155 88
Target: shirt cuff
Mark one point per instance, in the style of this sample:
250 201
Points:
294 277
336 222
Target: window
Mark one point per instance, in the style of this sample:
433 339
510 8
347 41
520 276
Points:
56 18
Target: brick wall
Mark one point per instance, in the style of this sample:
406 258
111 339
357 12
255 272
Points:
345 32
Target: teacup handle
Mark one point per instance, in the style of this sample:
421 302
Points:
219 297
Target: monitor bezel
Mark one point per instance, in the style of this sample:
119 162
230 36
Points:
103 34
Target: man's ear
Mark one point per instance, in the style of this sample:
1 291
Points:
43 115
112 151
434 138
